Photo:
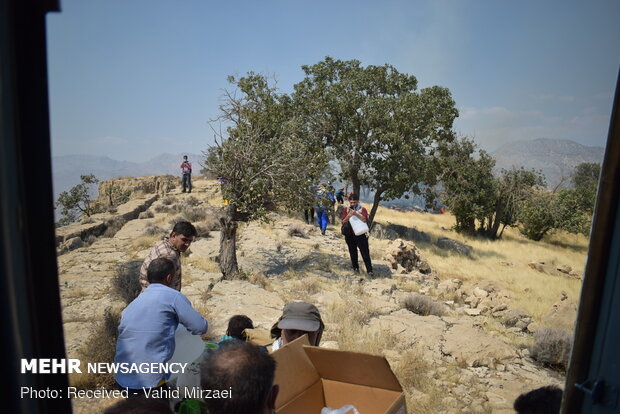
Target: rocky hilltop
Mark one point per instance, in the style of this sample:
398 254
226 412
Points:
455 346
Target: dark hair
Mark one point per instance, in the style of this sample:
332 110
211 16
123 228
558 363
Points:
354 196
246 369
543 400
185 228
139 405
237 324
158 269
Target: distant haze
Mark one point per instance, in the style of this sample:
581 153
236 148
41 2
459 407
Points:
554 157
66 169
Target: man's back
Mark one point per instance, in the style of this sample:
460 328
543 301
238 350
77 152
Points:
146 331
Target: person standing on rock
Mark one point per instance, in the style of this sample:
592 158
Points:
186 169
356 242
181 237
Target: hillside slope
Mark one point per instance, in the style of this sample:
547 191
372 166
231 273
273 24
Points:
470 357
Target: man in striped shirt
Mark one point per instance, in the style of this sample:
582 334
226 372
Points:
171 247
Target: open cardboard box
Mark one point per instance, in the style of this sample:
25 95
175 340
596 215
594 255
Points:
311 378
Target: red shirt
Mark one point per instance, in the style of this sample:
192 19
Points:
362 211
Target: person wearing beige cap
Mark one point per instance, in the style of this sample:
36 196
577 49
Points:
298 319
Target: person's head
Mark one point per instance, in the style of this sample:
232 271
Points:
237 324
139 405
185 158
544 400
298 319
248 371
182 235
354 200
160 270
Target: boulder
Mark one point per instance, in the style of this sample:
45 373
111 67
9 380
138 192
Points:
513 316
561 315
394 231
406 254
71 244
468 343
455 246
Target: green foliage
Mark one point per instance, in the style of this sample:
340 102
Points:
573 211
265 160
114 195
468 183
473 194
585 179
377 125
538 215
77 201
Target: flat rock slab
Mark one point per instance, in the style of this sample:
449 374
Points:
236 297
466 342
424 332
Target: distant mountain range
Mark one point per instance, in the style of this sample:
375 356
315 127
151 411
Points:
555 157
66 169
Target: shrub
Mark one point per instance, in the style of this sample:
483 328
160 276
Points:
175 220
296 231
423 305
127 280
162 209
551 348
202 230
193 214
87 220
154 230
99 347
113 225
146 214
191 201
90 239
166 201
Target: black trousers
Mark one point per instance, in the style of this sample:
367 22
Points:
309 215
359 242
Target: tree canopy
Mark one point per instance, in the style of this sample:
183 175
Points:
77 201
264 160
373 120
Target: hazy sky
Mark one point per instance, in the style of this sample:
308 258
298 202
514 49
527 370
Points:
131 79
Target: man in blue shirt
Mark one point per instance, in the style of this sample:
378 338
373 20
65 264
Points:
147 327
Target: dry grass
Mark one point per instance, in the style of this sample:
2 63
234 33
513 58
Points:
260 280
144 242
349 318
552 348
126 283
300 286
202 263
486 263
99 347
423 305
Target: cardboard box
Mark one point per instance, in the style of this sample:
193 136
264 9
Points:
311 378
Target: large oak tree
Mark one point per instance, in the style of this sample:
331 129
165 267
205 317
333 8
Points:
375 122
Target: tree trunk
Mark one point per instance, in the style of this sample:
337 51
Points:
375 206
228 244
501 232
355 182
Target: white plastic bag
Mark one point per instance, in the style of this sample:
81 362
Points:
347 409
358 226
